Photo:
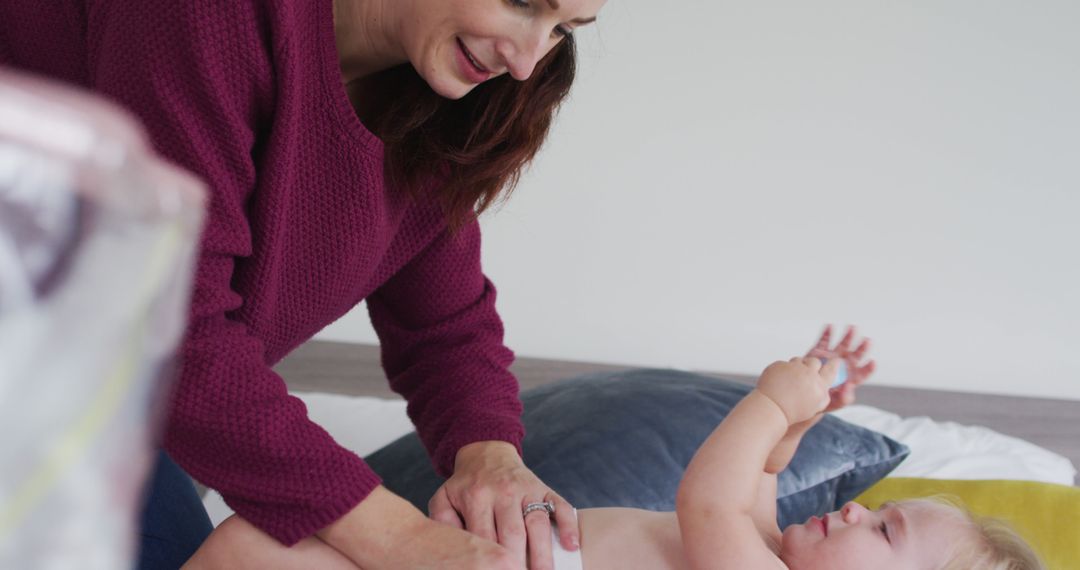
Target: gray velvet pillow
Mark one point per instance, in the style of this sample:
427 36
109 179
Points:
623 440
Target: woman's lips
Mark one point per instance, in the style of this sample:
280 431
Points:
469 67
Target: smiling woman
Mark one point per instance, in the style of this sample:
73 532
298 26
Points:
347 146
515 61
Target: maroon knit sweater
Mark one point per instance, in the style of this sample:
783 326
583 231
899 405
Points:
300 228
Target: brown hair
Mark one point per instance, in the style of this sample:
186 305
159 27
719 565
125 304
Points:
477 146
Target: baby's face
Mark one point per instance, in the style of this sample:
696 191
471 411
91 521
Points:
897 536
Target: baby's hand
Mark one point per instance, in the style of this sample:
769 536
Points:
859 368
800 386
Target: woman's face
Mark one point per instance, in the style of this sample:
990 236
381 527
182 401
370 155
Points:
457 44
895 537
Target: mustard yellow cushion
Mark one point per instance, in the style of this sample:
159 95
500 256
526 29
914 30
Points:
1046 515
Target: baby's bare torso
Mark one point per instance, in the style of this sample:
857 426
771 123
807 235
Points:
630 539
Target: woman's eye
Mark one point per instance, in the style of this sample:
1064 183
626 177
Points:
559 31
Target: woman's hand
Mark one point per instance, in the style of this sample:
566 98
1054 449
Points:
858 370
487 495
385 532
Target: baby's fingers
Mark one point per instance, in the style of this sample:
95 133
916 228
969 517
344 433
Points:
863 372
814 362
831 369
823 342
845 343
845 396
861 350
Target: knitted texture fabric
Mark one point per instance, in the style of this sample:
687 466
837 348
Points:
300 228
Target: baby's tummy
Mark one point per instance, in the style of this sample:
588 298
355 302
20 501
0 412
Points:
630 539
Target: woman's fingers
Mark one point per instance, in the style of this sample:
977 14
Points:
480 519
538 526
511 527
567 521
438 546
491 488
440 509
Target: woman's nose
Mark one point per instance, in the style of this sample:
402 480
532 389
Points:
522 54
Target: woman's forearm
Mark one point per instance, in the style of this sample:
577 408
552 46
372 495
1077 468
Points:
386 531
368 533
237 545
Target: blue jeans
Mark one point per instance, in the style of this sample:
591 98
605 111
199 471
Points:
174 522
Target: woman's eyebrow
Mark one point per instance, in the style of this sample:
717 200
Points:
555 6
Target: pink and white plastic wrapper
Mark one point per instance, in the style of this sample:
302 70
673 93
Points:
98 239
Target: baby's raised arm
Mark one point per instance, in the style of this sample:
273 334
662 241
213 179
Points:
719 500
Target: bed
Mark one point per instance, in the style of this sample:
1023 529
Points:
354 370
1008 457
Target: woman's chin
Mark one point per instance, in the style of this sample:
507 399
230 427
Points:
450 87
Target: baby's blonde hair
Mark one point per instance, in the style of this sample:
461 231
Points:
992 543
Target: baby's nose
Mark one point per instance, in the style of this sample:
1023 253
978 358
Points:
851 512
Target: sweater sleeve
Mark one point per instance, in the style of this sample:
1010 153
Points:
197 74
442 349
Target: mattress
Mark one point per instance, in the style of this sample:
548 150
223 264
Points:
939 450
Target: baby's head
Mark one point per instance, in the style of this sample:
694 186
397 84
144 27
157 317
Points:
913 534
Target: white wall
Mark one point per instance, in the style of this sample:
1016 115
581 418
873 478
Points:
728 176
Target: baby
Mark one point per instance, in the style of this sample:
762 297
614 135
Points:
726 504
725 515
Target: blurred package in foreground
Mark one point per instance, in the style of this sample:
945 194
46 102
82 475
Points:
98 239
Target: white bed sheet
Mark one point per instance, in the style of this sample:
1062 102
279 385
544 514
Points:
942 450
948 450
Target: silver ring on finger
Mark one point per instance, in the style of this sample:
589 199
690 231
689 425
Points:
547 506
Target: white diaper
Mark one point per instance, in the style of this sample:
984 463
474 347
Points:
564 559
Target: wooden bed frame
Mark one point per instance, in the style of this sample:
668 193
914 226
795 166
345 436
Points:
354 369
